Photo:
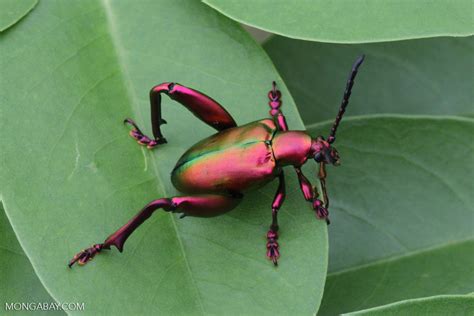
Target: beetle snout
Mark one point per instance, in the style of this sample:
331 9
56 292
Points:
333 157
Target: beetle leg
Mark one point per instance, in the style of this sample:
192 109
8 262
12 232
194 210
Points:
322 180
195 205
202 106
322 210
275 103
311 195
272 235
305 185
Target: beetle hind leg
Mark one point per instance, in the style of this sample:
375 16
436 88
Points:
203 107
206 205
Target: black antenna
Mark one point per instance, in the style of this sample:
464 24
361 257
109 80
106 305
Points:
345 98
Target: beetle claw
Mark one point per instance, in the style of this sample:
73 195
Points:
141 138
85 255
321 211
273 254
153 143
272 247
275 259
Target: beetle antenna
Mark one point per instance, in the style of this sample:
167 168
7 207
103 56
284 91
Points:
345 98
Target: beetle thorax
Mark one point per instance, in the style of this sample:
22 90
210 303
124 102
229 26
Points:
291 147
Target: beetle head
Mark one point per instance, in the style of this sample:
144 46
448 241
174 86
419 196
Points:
324 152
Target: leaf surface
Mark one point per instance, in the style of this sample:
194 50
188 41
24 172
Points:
12 11
19 281
428 76
70 175
345 21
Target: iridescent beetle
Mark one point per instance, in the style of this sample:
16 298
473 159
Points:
217 170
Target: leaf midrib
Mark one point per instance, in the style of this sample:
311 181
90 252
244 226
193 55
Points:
117 43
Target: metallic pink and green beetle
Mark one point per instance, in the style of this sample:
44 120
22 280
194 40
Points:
215 172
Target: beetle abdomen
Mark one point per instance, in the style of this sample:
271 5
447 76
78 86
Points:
232 160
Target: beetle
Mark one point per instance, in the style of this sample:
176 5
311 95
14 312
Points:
215 172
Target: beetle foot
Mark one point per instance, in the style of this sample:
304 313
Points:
321 211
275 103
85 255
141 138
272 247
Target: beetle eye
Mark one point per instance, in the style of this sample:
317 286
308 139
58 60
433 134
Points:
318 157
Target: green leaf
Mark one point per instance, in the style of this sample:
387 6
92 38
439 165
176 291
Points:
442 269
402 211
19 281
12 11
429 76
437 305
346 21
70 175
